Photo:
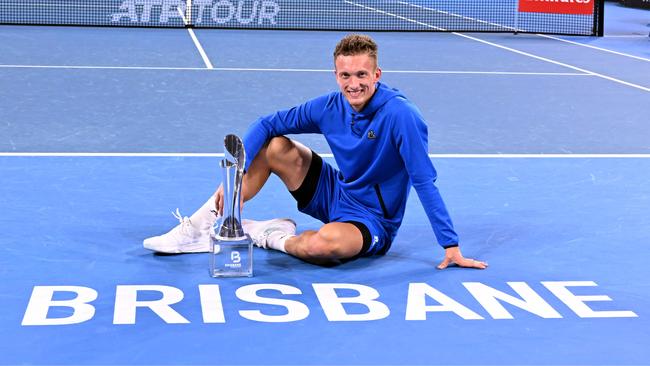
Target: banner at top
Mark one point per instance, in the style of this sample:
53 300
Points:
583 7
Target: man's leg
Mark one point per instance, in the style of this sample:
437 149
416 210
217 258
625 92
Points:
290 161
287 159
329 245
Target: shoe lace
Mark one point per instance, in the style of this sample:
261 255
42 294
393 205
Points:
264 236
186 227
268 231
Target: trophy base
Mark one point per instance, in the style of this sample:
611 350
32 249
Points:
231 257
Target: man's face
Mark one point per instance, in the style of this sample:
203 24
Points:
356 76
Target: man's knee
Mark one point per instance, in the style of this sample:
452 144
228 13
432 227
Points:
330 243
282 150
278 146
288 159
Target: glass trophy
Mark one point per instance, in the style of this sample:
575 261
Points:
231 250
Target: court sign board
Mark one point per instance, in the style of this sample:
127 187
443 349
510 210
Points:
577 7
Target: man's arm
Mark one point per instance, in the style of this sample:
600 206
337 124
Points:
300 119
412 141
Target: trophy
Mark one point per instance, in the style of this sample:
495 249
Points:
231 250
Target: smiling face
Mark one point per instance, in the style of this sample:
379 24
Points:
357 75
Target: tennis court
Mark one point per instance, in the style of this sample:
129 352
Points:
541 143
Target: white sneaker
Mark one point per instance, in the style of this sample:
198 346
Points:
259 231
184 238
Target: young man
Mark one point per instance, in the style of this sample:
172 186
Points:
379 141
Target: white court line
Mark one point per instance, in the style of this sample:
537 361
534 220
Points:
523 30
626 36
110 155
487 72
325 155
460 16
204 56
503 47
290 70
540 156
594 47
556 62
82 67
413 71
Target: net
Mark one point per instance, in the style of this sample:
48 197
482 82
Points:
526 16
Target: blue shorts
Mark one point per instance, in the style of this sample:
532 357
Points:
322 197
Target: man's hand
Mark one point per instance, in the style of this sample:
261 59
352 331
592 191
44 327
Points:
453 255
218 200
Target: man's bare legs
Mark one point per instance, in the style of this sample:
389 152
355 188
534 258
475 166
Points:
327 246
290 160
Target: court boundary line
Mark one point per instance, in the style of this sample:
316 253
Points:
606 77
460 16
197 44
595 47
523 53
523 30
244 69
626 36
204 56
325 155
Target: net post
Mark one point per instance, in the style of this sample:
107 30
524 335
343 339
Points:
188 13
517 17
600 27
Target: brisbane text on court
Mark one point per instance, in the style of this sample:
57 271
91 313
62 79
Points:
422 302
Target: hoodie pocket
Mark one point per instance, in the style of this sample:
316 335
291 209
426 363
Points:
381 201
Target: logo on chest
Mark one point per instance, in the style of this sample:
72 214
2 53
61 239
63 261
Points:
371 135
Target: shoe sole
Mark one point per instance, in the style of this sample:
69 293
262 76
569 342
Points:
266 223
176 250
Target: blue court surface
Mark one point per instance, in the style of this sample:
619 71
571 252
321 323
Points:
542 145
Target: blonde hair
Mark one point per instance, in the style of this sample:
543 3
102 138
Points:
356 44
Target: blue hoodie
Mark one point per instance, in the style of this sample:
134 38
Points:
381 152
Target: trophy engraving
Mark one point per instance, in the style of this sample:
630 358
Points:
231 253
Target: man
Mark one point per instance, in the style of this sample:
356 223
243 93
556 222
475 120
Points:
379 141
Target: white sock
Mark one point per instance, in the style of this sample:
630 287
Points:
205 214
277 240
